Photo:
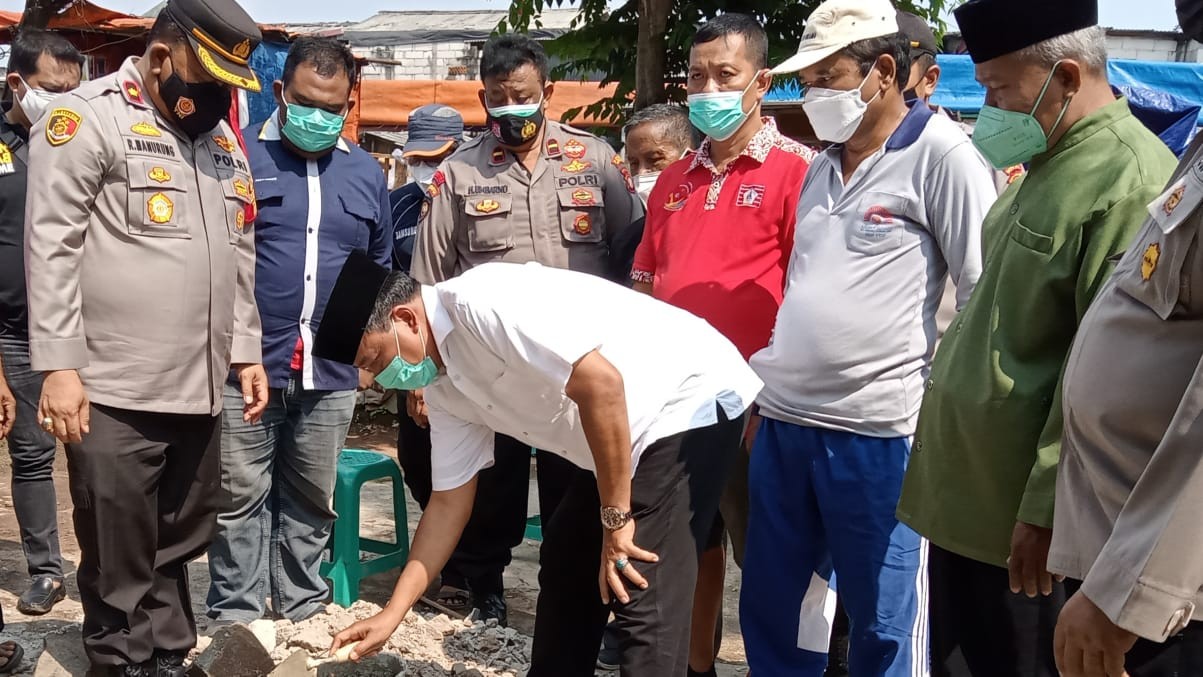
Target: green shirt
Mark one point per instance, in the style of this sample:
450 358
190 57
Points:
989 431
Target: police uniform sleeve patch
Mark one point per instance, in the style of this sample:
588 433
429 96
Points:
62 126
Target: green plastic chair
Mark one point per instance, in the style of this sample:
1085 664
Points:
345 569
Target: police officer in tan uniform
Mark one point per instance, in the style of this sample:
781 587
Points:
1127 528
141 296
530 190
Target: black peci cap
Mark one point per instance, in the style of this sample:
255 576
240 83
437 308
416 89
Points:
222 36
994 28
920 35
349 308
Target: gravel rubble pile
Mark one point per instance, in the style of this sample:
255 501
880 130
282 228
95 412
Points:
425 645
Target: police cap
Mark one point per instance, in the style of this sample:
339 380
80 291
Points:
222 36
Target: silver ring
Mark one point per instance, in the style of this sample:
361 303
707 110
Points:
47 423
620 564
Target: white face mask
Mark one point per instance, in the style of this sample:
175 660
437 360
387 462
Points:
34 102
422 173
836 114
644 184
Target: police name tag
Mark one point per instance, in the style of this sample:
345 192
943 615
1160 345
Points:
1173 206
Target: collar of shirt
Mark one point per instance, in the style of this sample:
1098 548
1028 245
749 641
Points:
758 148
271 132
1085 128
908 132
436 315
9 128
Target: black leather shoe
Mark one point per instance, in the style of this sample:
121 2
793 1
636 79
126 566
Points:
140 670
169 664
41 596
492 605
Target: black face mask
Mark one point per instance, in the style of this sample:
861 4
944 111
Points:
516 131
910 96
1190 18
197 107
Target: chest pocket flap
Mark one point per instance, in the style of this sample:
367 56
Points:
267 191
157 204
489 227
582 213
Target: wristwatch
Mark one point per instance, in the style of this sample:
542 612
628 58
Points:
614 519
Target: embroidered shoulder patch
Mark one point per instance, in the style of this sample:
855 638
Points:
62 126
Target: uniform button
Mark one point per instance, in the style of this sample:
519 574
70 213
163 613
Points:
308 278
1014 209
489 407
930 384
311 231
919 445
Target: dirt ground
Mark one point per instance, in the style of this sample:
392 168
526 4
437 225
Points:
377 521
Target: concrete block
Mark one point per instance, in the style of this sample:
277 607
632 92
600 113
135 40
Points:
63 656
234 652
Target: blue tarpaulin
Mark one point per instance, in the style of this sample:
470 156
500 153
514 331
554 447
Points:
959 90
268 63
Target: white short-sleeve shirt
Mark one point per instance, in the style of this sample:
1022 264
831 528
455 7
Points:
509 335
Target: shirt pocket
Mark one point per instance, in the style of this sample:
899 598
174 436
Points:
582 214
239 191
877 225
1030 239
365 215
489 226
157 203
1154 271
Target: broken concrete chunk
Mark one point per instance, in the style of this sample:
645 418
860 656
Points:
235 651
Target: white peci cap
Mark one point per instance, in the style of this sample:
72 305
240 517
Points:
835 24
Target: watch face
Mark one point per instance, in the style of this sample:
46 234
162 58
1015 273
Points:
613 518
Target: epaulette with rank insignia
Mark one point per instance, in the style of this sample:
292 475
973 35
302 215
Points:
132 92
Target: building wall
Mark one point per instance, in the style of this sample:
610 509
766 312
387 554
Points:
423 61
1151 49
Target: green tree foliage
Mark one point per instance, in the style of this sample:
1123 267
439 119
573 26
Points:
643 45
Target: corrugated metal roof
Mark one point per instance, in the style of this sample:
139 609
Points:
408 27
486 20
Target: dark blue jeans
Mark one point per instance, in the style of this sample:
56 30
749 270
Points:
274 515
32 450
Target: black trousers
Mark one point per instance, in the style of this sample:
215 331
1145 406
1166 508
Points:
498 521
979 628
674 497
145 488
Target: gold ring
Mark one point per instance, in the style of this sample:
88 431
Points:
47 423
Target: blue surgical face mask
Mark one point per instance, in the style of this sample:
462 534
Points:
401 375
312 130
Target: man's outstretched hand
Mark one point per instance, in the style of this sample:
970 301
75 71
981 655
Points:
369 636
